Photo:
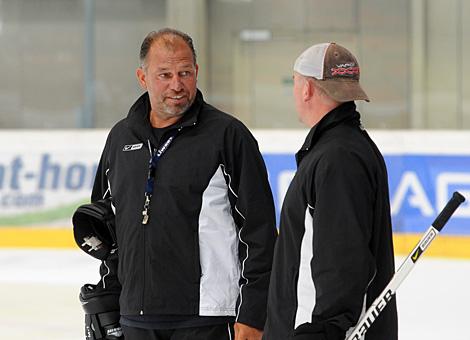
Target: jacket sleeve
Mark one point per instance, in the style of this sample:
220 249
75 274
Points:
253 212
102 189
101 186
342 265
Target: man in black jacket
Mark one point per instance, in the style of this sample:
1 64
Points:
334 253
194 212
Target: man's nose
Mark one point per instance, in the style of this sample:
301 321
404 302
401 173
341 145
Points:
176 84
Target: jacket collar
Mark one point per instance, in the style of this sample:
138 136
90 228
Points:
138 119
343 113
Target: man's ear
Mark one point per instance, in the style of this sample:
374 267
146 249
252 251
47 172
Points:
140 74
308 90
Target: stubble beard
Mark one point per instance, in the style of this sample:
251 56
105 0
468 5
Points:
168 111
174 111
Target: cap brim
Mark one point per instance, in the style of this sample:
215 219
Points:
343 90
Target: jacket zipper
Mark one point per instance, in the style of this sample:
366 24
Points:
144 245
143 281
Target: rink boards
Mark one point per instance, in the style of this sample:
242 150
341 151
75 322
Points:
43 179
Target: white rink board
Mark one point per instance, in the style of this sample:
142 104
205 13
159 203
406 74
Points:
39 296
391 142
42 180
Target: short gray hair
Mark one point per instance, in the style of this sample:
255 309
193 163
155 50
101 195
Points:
156 35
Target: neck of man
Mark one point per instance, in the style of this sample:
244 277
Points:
318 110
158 121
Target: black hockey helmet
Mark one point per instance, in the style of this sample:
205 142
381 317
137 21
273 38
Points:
94 228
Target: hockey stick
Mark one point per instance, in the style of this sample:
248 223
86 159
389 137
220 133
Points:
387 294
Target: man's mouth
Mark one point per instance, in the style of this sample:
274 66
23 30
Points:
176 98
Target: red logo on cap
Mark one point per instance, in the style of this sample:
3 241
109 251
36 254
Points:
341 71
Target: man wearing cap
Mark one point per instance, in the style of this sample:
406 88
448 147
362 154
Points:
334 254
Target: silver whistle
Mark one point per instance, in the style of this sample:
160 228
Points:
145 219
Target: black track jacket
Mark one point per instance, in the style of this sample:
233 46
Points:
207 248
334 254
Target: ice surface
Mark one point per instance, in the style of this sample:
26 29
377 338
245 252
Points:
39 296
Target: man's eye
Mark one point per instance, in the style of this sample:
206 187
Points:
164 75
185 73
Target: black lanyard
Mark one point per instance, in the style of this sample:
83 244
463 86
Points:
151 173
